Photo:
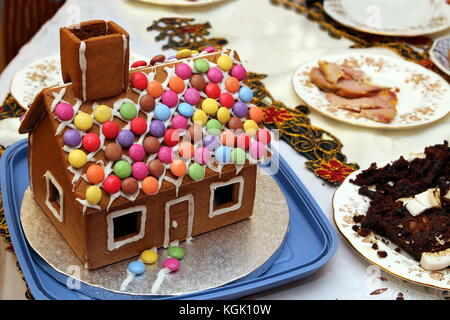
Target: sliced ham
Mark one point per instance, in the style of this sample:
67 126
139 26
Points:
331 71
317 77
350 88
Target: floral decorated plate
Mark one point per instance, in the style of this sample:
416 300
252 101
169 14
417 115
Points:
423 96
183 3
347 203
40 74
439 54
418 17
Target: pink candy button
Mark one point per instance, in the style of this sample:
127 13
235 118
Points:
140 170
64 111
170 98
171 264
183 71
215 75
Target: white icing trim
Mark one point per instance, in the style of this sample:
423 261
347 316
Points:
58 215
112 245
83 67
190 199
213 186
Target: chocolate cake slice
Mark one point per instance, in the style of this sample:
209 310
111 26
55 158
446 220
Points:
391 186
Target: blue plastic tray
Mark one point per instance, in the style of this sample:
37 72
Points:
310 243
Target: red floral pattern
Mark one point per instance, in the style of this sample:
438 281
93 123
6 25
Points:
333 171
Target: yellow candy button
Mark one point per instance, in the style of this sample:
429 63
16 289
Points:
93 194
77 158
149 256
210 106
223 115
199 117
183 53
194 52
225 63
250 127
102 113
83 121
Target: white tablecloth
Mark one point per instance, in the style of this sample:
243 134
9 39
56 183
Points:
273 41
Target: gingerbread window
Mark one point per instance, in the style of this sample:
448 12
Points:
126 226
55 197
226 196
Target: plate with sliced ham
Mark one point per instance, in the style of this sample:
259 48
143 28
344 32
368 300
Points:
372 90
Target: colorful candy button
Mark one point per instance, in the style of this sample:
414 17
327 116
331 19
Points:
215 75
235 123
240 109
72 138
201 65
238 156
165 154
93 195
227 138
179 122
245 94
212 90
139 80
155 89
112 184
209 49
183 53
186 109
213 127
77 158
147 103
176 84
239 72
91 142
122 169
138 126
210 106
263 135
171 264
151 145
140 170
83 121
178 168
232 84
171 137
202 155
225 63
125 138
136 267
250 127
110 129
211 142
183 70
199 117
136 152
130 185
176 252
257 149
186 150
128 110
223 154
150 185
195 133
102 113
243 141
196 172
197 82
157 128
256 113
138 64
223 115
149 256
192 96
64 111
113 152
170 98
156 168
226 100
162 112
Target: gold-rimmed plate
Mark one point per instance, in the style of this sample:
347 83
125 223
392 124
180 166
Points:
405 18
423 96
347 202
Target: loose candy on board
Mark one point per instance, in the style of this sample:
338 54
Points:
149 256
171 264
136 267
176 252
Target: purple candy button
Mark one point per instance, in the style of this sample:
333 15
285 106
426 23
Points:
157 128
125 138
240 109
211 142
72 138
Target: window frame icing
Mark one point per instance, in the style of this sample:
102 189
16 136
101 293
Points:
213 186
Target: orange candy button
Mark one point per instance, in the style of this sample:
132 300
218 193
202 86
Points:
232 84
227 138
150 185
176 84
155 89
178 168
186 150
95 174
256 114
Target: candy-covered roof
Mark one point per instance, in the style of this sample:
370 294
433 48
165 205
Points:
180 120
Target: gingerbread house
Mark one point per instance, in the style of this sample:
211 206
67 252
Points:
123 161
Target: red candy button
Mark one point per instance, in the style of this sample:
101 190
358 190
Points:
140 63
139 80
243 141
226 100
171 137
112 184
138 126
110 129
91 142
263 135
212 90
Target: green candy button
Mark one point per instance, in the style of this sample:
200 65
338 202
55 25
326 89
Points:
238 156
122 169
213 127
176 252
201 65
128 110
196 172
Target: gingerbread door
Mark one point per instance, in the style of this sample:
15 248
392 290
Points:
179 218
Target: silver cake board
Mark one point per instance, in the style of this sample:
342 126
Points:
240 251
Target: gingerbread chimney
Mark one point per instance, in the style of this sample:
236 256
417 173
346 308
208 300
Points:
94 57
